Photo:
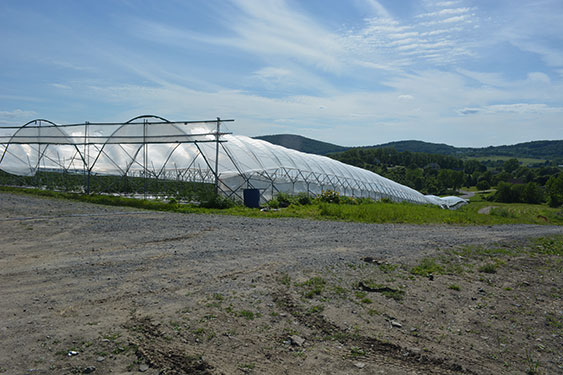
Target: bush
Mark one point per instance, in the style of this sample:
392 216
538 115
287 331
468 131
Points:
217 201
348 200
554 190
532 193
330 196
483 185
304 199
273 203
284 200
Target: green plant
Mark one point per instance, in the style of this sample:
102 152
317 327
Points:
427 266
454 287
246 314
329 196
314 286
488 268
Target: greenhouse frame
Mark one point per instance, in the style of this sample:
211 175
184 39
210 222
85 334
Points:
153 148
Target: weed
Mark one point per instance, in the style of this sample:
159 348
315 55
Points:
246 314
315 310
488 268
360 295
454 287
285 279
553 321
314 286
373 312
550 245
248 366
366 300
388 268
427 266
533 365
357 352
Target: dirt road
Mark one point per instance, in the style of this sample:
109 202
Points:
95 289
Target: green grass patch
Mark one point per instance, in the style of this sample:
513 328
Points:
549 245
366 211
313 287
488 268
428 266
454 287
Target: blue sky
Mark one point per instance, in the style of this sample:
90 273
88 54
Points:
355 72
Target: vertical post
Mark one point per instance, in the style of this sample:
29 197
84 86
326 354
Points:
145 158
87 156
217 156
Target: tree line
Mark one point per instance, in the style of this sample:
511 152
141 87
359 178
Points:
445 174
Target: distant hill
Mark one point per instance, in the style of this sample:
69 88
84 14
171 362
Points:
303 144
536 149
547 150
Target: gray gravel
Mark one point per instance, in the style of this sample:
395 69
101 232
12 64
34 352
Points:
64 264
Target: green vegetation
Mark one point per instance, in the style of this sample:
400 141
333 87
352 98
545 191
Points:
359 210
444 174
312 287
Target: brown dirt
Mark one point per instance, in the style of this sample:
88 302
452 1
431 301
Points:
200 294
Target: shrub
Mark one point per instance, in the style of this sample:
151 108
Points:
304 199
348 200
218 201
273 203
488 268
483 185
330 196
284 199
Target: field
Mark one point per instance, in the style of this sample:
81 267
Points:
100 289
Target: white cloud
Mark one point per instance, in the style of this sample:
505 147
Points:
16 117
61 86
517 108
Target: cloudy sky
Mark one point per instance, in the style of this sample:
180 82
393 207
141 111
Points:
350 72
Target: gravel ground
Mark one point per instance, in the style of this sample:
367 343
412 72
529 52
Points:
71 273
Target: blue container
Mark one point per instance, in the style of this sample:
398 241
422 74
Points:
251 198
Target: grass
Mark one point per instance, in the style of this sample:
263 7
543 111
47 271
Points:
374 212
313 287
488 268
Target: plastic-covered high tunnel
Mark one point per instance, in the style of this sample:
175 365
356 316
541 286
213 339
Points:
196 151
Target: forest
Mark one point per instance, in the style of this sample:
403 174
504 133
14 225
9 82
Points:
444 174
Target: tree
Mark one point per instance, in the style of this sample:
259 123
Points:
554 190
532 193
511 165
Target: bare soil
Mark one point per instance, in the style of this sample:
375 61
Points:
96 289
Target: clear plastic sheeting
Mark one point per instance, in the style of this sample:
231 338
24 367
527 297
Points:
196 151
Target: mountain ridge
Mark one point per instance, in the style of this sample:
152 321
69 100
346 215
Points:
542 149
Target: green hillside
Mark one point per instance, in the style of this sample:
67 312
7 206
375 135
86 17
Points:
536 150
546 150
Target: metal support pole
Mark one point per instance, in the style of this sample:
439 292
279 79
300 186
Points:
87 156
217 156
145 159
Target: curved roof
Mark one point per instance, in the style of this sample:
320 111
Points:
156 147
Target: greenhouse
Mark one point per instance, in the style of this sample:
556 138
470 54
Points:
152 148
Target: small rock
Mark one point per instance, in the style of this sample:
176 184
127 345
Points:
100 359
430 277
89 370
296 340
72 353
359 364
144 367
395 323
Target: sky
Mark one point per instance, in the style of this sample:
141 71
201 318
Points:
349 72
